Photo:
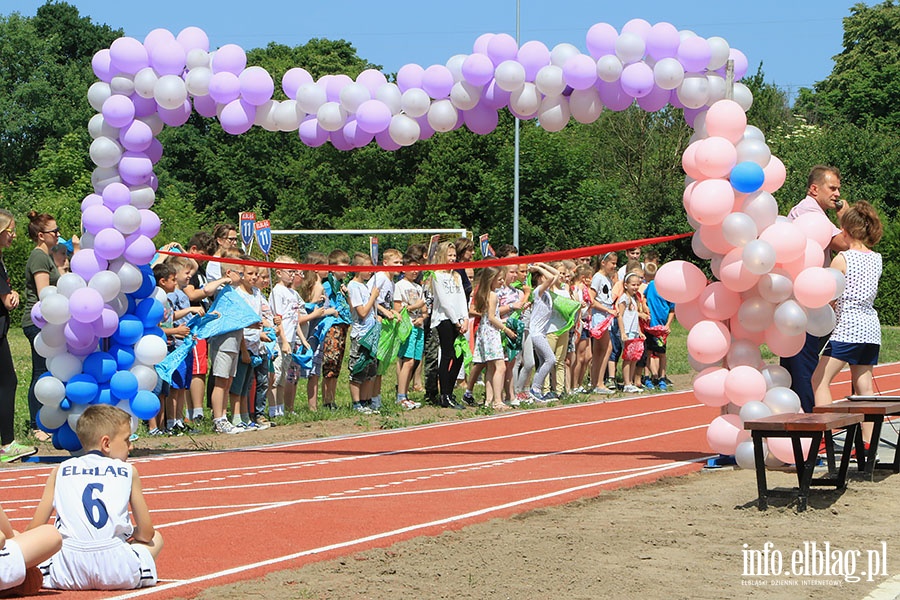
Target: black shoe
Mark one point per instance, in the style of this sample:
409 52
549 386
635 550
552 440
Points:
469 398
447 402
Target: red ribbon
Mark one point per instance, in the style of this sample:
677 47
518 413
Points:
490 262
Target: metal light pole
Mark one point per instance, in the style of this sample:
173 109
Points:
516 160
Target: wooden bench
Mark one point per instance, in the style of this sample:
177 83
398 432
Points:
873 411
798 426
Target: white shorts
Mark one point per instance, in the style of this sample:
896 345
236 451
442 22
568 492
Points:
12 565
116 565
286 370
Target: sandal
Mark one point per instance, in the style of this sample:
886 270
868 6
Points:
41 435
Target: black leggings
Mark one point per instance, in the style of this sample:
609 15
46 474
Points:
8 383
449 366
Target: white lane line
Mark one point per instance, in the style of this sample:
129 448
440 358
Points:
395 532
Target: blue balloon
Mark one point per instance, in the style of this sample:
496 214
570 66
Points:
124 356
123 385
156 330
130 330
132 304
145 405
150 311
747 177
148 284
106 397
100 366
82 389
66 439
65 404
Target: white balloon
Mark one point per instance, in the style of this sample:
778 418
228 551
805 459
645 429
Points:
775 287
550 80
107 283
561 53
196 58
753 410
527 100
97 94
717 88
609 68
265 115
119 304
415 102
404 130
585 105
694 90
776 376
744 455
64 366
630 47
150 350
454 65
720 50
510 75
755 150
743 96
758 257
87 240
668 73
739 229
146 376
699 249
331 116
142 197
47 291
782 400
762 208
170 91
288 115
154 122
743 352
751 132
46 350
159 295
55 309
755 313
390 94
105 152
131 278
352 95
98 127
127 219
840 282
554 113
74 414
310 97
790 318
54 335
821 321
197 81
103 176
442 116
52 417
122 85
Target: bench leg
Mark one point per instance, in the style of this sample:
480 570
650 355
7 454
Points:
841 482
761 487
872 454
829 451
805 466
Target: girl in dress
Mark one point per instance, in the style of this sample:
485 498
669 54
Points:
488 343
628 307
603 317
856 339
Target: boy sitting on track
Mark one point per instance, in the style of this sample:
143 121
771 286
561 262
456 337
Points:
92 494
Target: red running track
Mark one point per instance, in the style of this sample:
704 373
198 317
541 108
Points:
239 514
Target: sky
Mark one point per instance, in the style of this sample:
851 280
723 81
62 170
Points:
794 40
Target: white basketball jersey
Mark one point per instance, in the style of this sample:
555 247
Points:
91 498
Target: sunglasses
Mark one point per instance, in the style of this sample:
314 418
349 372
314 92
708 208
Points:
10 231
56 231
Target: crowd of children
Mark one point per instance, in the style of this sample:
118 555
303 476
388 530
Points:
528 333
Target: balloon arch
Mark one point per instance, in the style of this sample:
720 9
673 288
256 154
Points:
771 286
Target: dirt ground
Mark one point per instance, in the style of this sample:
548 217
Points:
685 537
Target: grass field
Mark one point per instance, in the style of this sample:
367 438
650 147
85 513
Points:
391 416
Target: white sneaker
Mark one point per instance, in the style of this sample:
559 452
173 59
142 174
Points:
602 391
224 426
632 389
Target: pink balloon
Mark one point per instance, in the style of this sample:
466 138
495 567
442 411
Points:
814 287
716 157
726 119
711 201
817 227
723 433
745 384
734 274
783 448
775 175
740 332
689 161
786 239
709 386
783 345
680 281
688 313
708 341
718 303
714 239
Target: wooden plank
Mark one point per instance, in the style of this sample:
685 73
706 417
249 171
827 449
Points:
803 422
861 407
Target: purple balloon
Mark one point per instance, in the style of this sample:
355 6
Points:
495 97
143 107
293 79
85 304
158 36
118 110
205 106
639 27
372 79
373 116
656 100
340 141
150 223
224 87
333 86
116 194
92 200
532 55
109 244
175 117
613 96
601 40
311 134
85 347
580 72
140 249
229 58
96 218
481 119
87 264
437 81
100 63
257 86
477 69
107 323
637 80
694 54
663 40
192 38
36 317
127 55
168 58
410 76
691 114
481 43
237 117
740 63
155 151
425 128
135 168
356 136
386 142
136 136
502 47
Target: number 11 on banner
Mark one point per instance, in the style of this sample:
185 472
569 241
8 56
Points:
247 220
264 236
